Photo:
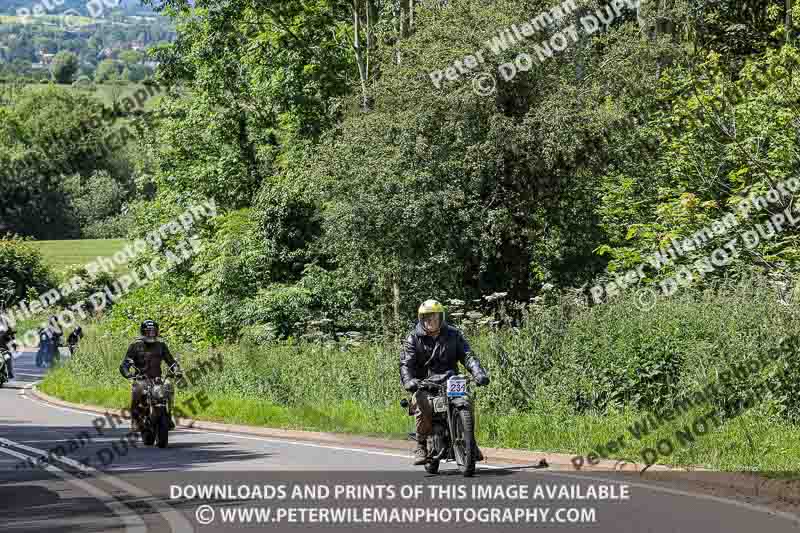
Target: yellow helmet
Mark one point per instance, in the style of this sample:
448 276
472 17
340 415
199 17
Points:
429 306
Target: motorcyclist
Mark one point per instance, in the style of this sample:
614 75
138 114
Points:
74 338
7 348
147 353
433 347
50 341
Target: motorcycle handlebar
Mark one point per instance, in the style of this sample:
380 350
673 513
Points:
435 387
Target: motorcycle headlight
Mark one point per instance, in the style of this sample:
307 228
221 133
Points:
158 392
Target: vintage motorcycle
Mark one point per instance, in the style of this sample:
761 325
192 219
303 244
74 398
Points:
4 357
453 435
154 421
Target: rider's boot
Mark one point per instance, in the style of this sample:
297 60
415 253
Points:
135 420
479 457
421 453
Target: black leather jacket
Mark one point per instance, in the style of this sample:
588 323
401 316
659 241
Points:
423 356
147 357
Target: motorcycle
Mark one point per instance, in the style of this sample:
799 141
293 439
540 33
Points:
154 421
4 357
453 435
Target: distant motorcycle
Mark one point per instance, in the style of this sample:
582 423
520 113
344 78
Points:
154 408
453 435
4 357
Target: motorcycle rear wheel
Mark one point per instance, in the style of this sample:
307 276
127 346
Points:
464 442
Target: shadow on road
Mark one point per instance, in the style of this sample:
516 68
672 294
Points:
116 449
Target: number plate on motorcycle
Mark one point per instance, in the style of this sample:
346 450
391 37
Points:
456 387
439 405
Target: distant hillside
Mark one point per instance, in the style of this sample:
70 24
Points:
128 7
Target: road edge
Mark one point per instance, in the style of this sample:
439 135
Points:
751 485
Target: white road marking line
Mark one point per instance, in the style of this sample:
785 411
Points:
133 522
656 488
177 522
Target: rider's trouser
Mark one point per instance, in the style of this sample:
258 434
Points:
137 390
423 415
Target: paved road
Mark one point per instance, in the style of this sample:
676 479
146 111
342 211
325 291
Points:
102 482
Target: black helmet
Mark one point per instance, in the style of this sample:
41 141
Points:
149 330
7 333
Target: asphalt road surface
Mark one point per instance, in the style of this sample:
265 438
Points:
101 480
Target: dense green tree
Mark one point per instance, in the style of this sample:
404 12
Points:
65 67
107 70
53 148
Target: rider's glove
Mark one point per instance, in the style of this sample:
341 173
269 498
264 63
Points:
412 385
126 365
482 380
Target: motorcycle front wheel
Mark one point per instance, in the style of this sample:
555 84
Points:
148 437
464 442
162 430
432 467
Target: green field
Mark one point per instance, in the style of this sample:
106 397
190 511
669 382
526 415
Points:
62 254
50 20
108 94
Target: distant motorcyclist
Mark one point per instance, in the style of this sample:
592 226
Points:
433 347
147 353
7 349
49 342
74 338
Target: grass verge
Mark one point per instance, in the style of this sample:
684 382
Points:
347 417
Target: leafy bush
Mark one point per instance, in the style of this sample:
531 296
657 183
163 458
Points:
279 307
180 317
89 285
22 268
